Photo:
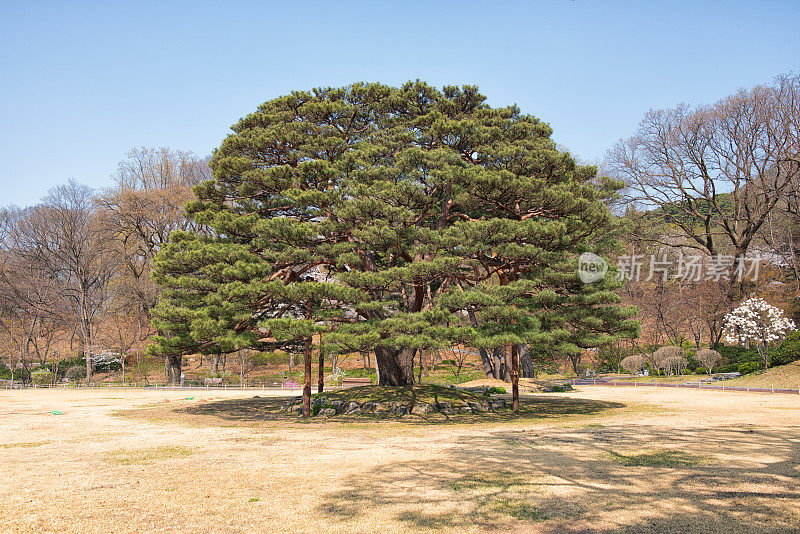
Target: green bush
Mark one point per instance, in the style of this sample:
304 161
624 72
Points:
5 372
23 375
787 352
42 377
749 367
494 390
729 368
735 354
75 373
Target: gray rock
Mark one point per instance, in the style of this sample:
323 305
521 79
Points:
398 408
497 404
353 406
327 411
479 406
422 408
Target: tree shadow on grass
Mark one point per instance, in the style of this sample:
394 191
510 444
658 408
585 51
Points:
270 409
727 480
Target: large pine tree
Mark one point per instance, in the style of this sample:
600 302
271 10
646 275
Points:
387 218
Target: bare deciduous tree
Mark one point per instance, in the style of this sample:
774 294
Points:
716 172
669 359
634 363
61 238
140 213
707 358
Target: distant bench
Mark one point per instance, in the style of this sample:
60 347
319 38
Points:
213 381
351 382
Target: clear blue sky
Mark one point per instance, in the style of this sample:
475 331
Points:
81 83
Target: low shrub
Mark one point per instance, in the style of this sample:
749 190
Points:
5 372
735 354
786 352
42 377
749 367
337 376
75 373
494 390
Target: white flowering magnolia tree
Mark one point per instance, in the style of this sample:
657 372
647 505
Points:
755 322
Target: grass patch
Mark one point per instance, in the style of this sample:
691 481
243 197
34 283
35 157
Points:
663 458
148 456
488 481
521 510
24 444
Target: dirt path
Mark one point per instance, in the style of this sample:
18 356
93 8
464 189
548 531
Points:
663 460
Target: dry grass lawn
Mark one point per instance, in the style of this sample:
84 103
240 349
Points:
597 459
783 376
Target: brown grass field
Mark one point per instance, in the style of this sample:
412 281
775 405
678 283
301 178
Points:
598 459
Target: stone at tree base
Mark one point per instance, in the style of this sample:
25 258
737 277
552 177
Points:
395 408
479 406
422 408
549 387
497 404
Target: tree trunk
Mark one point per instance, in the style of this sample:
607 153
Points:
321 379
526 363
307 379
488 361
505 367
763 351
515 378
575 360
86 330
488 365
215 364
395 366
173 369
